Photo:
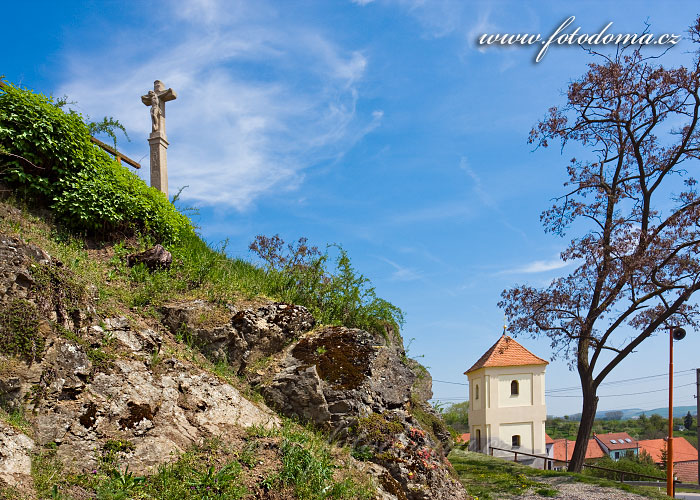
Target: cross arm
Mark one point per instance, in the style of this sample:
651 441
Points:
167 95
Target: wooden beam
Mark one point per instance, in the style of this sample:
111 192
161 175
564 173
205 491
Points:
115 153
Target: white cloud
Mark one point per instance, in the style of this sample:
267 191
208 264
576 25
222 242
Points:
362 2
537 266
258 102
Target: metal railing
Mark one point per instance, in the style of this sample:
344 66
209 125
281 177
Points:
550 460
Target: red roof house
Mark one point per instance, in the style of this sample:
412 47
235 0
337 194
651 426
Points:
564 450
616 444
685 456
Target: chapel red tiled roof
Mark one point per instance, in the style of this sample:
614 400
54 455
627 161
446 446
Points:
620 438
463 438
547 439
564 450
683 451
506 352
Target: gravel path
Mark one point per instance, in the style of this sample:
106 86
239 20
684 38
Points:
580 491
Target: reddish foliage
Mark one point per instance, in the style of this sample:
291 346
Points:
638 208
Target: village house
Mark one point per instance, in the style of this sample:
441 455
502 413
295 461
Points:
685 457
563 449
616 445
506 400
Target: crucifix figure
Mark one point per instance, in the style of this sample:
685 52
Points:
155 111
158 141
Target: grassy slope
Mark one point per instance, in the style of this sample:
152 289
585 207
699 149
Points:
489 477
302 462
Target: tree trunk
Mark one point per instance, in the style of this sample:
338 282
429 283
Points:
590 404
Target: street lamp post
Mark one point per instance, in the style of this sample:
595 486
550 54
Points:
673 334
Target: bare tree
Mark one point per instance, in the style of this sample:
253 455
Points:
635 205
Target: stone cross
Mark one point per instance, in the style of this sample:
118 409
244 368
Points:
156 99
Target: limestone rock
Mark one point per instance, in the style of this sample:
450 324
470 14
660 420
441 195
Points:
245 336
15 258
115 382
15 458
157 414
142 341
18 262
423 386
354 372
154 258
67 370
10 393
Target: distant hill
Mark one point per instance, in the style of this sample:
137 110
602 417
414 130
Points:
627 413
678 411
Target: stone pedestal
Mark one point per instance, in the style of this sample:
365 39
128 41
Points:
159 162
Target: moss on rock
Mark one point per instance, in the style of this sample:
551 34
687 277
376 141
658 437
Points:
340 360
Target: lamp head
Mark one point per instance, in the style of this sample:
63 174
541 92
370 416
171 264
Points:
678 333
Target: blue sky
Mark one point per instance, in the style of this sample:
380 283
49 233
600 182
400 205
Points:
379 125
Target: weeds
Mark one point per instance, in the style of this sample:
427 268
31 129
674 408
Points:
19 330
16 419
308 468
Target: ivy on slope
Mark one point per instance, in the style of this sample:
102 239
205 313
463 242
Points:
46 153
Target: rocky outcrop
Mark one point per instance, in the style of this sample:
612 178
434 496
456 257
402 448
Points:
345 381
36 288
97 386
358 386
240 338
344 372
423 385
158 406
16 257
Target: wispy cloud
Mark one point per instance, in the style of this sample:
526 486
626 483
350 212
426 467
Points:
483 25
402 273
437 17
478 186
258 102
457 209
537 266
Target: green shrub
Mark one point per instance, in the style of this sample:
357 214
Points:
639 464
302 275
47 153
33 127
106 196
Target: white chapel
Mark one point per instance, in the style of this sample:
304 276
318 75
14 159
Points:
506 400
